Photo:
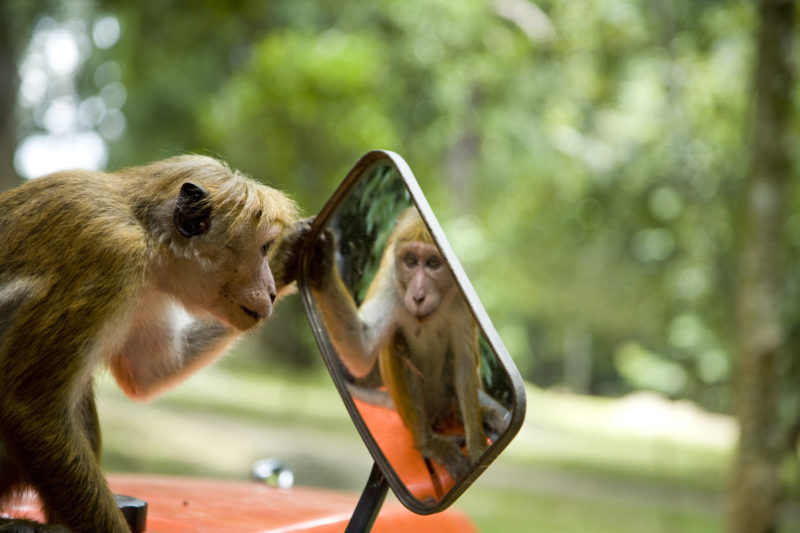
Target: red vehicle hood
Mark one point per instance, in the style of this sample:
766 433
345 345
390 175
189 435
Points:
199 505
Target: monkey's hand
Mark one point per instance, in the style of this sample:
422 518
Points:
285 257
496 418
446 452
322 263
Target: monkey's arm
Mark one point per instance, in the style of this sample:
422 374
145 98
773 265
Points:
48 422
165 346
57 459
356 333
467 381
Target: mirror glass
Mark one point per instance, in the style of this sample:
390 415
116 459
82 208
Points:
422 371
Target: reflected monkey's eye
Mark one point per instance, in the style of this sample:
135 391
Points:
265 247
434 262
410 259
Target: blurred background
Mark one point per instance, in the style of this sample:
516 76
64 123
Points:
592 163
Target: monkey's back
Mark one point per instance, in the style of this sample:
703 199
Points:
80 221
73 254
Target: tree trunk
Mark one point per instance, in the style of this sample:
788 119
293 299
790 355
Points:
8 99
755 492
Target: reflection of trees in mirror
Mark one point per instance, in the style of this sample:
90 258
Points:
363 222
494 377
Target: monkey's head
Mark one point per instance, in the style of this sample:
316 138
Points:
423 277
215 230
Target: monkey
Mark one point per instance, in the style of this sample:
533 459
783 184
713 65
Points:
417 325
153 271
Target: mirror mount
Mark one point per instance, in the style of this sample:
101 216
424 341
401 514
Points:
370 502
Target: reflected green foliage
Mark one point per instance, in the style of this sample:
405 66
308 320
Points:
364 229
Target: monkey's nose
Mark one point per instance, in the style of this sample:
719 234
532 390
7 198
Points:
272 296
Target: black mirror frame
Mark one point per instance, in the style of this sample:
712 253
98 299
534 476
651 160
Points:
484 323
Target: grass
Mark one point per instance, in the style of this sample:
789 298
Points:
219 422
517 511
640 464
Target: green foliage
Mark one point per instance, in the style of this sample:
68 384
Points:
304 108
585 157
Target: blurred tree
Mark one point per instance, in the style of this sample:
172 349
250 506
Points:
303 110
585 157
8 98
16 22
760 305
173 58
617 193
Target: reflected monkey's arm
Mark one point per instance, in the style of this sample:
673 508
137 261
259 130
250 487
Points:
357 334
467 380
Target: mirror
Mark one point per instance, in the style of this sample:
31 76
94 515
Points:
422 371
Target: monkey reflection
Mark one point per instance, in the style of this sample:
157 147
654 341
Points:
417 325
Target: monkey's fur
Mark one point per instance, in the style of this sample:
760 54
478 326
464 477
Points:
153 271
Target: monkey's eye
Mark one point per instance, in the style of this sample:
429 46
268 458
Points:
410 259
433 263
265 247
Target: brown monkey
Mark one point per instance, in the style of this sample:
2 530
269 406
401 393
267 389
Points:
152 270
416 323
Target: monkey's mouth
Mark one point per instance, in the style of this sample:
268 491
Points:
421 315
252 314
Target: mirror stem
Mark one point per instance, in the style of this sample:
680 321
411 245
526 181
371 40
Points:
369 505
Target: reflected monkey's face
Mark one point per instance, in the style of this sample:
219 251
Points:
422 276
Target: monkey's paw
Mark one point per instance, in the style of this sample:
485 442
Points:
322 261
284 259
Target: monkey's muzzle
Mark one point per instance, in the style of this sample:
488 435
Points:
255 315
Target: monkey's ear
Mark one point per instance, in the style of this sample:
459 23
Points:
192 214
